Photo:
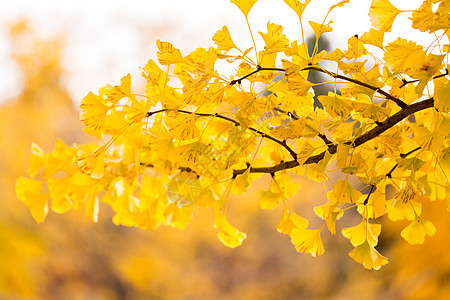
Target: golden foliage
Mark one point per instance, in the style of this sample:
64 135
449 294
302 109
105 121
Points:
216 135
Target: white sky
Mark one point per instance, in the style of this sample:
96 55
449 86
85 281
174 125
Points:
106 39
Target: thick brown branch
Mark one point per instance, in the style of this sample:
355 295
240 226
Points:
365 137
392 120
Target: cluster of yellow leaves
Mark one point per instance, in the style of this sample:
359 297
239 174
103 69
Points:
172 149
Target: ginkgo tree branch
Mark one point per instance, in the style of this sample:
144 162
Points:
293 116
403 155
258 69
236 123
365 137
392 120
366 85
405 82
332 74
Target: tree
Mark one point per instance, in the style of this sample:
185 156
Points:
196 136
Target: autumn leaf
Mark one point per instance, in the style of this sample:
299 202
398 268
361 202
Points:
29 191
93 112
91 160
368 256
58 189
442 94
290 221
167 53
274 39
228 235
343 192
423 17
244 5
307 241
404 56
320 29
37 160
415 232
365 232
329 213
398 210
222 39
335 105
382 14
297 6
269 199
375 206
373 37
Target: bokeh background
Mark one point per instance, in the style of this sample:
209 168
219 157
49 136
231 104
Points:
52 53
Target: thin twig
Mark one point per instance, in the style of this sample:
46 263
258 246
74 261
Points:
236 123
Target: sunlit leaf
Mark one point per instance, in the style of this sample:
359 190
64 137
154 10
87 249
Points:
307 241
368 256
382 14
244 5
29 192
415 232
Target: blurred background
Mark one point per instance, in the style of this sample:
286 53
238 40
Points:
52 54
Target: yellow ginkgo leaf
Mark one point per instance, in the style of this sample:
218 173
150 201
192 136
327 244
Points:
329 213
442 94
244 5
59 194
167 53
285 185
269 199
290 221
415 232
297 6
382 14
274 39
397 210
363 232
222 39
228 235
93 112
178 217
335 105
241 183
368 256
373 37
61 159
299 85
335 55
92 162
307 241
374 206
320 29
37 160
29 192
404 56
343 192
356 48
423 17
431 67
183 127
114 94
